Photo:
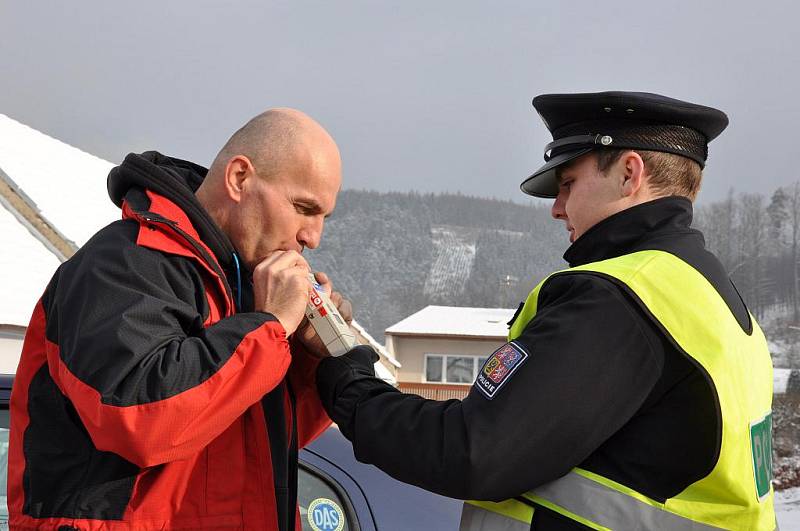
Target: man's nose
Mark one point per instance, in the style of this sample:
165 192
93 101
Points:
310 234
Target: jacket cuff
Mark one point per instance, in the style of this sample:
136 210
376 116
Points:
336 377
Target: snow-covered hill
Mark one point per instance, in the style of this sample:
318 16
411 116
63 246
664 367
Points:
454 254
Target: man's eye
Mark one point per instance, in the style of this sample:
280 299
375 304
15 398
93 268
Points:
565 184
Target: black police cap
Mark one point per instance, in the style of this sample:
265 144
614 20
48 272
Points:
581 123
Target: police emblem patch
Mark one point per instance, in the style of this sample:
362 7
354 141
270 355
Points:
497 370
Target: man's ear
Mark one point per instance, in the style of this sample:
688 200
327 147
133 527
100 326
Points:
237 171
632 173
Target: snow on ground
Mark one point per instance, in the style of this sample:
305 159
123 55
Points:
454 253
787 509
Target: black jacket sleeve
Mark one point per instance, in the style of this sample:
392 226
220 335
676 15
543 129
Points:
593 360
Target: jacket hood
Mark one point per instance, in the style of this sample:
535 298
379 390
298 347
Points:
176 180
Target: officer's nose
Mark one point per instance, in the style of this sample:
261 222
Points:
557 210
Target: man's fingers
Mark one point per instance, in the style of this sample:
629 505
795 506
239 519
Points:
279 260
300 271
322 278
324 281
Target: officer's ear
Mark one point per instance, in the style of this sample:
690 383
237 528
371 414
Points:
632 174
237 171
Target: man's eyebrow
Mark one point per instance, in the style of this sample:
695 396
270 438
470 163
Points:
311 205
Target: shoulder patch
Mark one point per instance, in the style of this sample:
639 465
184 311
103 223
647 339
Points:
497 370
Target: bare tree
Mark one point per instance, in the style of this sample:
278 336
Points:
794 220
717 222
752 229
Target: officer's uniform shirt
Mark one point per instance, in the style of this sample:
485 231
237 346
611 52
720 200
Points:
601 388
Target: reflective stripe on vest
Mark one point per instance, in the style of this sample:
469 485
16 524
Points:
736 494
480 516
601 507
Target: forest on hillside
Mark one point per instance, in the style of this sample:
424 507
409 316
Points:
757 238
394 253
379 250
382 248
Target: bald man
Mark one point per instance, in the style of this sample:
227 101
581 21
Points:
166 379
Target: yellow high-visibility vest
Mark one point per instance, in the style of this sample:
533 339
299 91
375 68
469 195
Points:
737 493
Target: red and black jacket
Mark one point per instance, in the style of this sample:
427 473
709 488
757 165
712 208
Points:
149 394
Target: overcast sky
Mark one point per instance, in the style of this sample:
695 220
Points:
428 96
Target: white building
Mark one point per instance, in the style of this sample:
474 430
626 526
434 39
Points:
441 348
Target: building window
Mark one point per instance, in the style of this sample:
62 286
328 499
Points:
433 368
460 369
442 368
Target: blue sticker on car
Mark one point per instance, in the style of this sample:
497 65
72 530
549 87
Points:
325 515
499 367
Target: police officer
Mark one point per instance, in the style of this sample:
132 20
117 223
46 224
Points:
635 389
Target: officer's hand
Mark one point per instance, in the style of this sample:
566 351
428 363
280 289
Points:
361 359
306 333
281 287
334 374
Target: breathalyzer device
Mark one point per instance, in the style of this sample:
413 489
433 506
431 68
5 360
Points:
328 323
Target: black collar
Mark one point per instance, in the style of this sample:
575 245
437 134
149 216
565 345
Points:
633 230
178 181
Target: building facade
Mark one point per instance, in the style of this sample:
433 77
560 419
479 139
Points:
440 349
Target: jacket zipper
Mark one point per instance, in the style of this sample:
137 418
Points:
202 252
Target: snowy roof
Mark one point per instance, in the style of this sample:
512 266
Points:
371 341
67 188
384 374
67 185
453 321
26 266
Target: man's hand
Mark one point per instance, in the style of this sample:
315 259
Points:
306 333
281 287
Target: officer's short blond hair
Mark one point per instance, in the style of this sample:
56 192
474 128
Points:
667 174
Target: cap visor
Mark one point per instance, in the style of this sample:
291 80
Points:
543 182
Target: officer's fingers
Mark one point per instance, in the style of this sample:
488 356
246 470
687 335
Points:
345 308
